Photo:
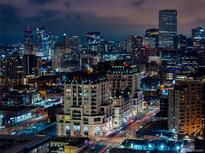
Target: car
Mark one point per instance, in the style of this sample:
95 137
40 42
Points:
13 133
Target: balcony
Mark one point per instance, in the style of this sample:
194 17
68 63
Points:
93 103
93 99
76 118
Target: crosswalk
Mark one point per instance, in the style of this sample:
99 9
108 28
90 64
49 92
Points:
113 143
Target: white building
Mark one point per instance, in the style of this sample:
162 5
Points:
87 106
95 104
127 97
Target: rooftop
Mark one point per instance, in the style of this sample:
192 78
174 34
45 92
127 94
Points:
152 146
76 142
124 68
21 143
80 77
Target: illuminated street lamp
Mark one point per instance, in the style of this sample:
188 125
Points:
162 147
177 148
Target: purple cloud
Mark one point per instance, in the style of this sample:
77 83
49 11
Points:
131 16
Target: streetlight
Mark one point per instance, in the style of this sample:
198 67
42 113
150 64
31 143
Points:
177 148
161 147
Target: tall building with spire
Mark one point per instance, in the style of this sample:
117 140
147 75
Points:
28 41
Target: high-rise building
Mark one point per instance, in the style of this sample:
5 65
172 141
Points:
167 28
51 44
134 43
12 68
71 42
87 106
164 106
70 62
58 54
198 35
42 42
30 64
149 42
94 41
151 38
185 107
40 35
125 78
110 46
181 42
28 41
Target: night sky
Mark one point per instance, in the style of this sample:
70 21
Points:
114 18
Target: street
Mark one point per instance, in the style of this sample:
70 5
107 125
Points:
127 132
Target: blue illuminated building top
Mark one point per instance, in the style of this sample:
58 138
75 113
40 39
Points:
153 146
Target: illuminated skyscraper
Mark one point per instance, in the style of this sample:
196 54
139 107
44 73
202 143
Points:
133 43
28 41
42 41
181 42
72 42
198 35
51 42
12 68
167 28
29 64
94 41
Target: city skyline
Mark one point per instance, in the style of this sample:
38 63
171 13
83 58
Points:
102 76
78 17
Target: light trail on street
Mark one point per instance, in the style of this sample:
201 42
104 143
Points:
128 132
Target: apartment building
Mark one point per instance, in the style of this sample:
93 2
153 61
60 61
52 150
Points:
87 106
185 107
